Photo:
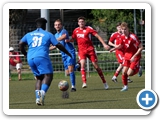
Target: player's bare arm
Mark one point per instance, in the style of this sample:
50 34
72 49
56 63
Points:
62 37
22 48
107 47
116 47
70 40
137 53
111 44
52 47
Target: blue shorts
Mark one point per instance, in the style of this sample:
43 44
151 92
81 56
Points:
68 61
40 66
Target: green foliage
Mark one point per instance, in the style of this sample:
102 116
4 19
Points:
110 17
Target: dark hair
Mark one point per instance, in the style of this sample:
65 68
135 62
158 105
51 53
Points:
41 20
83 18
41 23
118 24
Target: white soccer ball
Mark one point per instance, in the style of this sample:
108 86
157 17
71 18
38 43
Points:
63 85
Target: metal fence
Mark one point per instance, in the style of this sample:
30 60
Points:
107 61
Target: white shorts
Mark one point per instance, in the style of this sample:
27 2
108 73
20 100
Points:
18 66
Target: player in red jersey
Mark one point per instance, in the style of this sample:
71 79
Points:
132 54
15 62
82 35
113 41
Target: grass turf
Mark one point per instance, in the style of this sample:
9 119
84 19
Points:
22 96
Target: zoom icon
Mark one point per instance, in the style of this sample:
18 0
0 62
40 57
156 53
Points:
147 99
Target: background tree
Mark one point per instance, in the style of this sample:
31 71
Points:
107 18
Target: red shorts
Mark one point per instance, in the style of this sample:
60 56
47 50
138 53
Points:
132 65
119 56
91 54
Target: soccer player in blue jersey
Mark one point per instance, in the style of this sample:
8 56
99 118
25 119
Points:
38 42
68 62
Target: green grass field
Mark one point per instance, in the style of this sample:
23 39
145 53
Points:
22 96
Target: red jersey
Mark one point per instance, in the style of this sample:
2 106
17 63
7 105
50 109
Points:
14 57
83 37
130 44
115 38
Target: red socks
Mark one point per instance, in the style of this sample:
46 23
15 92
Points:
116 73
100 73
124 79
83 73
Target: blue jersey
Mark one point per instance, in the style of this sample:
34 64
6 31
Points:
67 61
38 43
69 46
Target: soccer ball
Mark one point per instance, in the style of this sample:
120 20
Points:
63 85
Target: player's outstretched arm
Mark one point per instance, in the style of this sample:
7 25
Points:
111 44
69 40
62 48
107 47
62 37
140 48
22 48
52 47
116 47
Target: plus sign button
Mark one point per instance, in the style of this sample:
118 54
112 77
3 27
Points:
147 99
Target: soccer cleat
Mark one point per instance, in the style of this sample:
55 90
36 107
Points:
124 89
73 89
106 86
38 101
42 96
84 85
41 99
140 71
114 80
77 65
129 80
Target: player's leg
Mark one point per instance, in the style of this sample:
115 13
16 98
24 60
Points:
101 75
140 71
45 68
66 68
38 79
118 70
19 67
10 68
66 72
126 65
77 66
82 61
94 59
72 77
119 56
134 68
38 88
71 64
83 73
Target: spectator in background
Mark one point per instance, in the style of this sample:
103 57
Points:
15 62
